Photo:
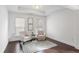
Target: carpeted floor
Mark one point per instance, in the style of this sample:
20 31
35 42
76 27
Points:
34 46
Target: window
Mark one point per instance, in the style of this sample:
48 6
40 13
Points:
30 24
20 25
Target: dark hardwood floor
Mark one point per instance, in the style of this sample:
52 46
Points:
60 48
11 48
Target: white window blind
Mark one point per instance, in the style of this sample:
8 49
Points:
20 24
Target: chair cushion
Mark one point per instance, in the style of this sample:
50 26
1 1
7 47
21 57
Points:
40 33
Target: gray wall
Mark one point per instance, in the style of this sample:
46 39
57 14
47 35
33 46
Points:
60 26
3 28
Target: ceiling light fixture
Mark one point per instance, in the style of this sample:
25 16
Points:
36 6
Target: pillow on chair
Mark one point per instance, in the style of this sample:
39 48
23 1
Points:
41 35
23 33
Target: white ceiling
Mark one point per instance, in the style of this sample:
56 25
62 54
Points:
43 10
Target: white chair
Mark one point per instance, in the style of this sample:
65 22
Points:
26 36
41 35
